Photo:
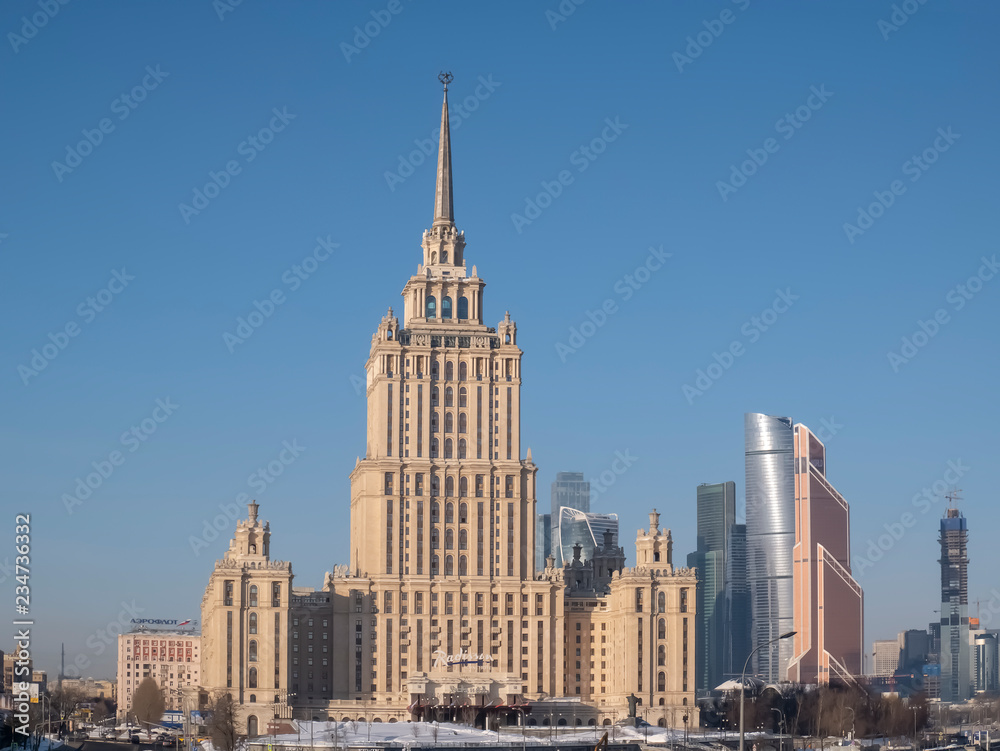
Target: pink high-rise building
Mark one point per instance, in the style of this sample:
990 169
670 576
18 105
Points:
828 602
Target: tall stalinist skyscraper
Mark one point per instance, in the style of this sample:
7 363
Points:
444 407
440 612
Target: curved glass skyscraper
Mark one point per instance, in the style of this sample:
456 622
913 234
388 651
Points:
770 513
588 530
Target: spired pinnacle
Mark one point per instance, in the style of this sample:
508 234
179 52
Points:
444 212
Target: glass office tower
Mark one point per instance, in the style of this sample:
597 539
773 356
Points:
586 529
716 504
572 491
770 515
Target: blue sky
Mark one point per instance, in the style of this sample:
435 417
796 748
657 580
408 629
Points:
741 152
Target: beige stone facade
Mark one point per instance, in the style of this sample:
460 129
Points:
440 610
171 658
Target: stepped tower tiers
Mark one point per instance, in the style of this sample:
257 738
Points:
440 613
443 425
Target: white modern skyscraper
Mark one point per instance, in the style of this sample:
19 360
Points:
770 514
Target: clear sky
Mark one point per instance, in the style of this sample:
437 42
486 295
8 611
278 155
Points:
737 137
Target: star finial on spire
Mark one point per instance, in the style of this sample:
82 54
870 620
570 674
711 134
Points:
444 214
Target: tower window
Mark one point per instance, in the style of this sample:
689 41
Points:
463 308
431 307
446 307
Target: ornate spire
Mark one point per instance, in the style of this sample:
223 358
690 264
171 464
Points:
444 212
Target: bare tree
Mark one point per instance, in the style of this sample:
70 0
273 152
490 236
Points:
147 703
65 699
223 728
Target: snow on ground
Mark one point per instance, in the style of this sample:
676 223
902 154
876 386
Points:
416 734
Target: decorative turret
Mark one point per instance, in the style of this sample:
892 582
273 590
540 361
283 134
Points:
252 540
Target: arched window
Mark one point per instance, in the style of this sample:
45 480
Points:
434 396
684 599
253 698
449 372
434 447
463 308
449 566
434 565
434 485
661 681
461 448
463 371
463 513
449 396
431 306
252 679
446 307
463 539
449 481
449 422
449 513
661 655
434 538
252 657
253 595
449 539
253 623
661 629
463 423
252 726
435 511
463 483
434 422
661 602
434 368
463 396
444 259
684 701
506 340
447 450
463 566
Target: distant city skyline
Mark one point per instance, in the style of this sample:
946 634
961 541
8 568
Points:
199 254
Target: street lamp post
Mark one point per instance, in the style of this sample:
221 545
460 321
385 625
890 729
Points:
781 718
851 710
743 677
